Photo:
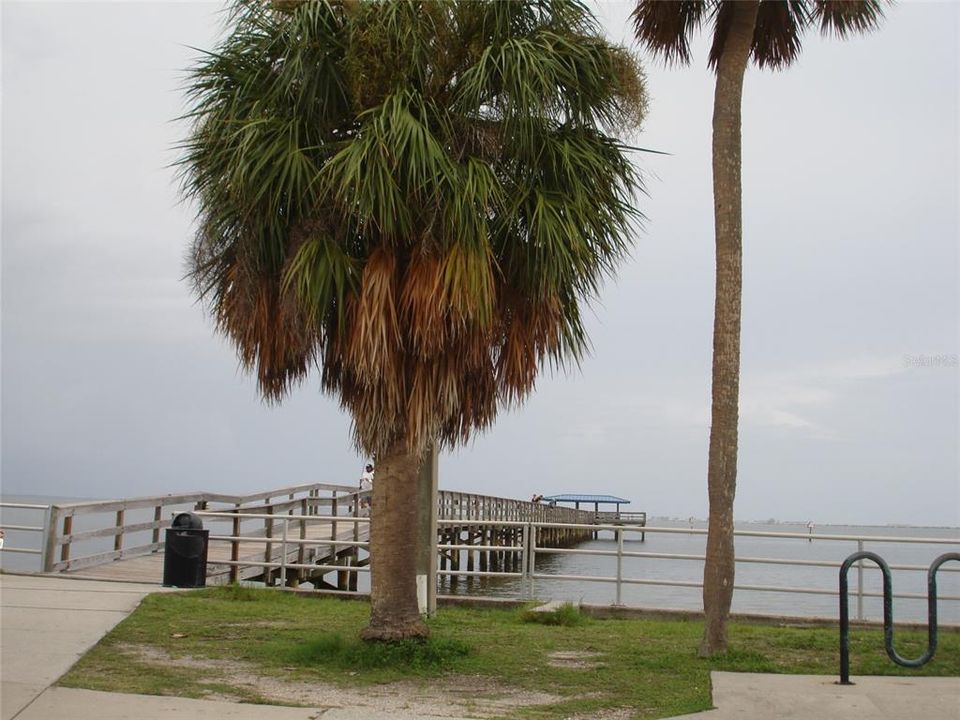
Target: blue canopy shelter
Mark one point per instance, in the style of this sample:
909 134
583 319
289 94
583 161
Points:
597 500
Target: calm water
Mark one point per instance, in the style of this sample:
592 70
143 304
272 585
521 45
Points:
823 578
660 569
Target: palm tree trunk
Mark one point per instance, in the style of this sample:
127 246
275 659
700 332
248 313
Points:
394 528
718 572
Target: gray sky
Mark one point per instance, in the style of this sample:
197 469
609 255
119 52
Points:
113 383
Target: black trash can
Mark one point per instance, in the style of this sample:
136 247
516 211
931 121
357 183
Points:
185 552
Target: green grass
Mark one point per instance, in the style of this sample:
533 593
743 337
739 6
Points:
332 651
180 643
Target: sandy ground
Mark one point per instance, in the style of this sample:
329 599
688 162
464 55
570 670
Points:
454 696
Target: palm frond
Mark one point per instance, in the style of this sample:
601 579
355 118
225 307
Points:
845 17
665 28
778 31
777 34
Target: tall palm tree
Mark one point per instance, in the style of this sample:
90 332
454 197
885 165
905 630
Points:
417 198
767 32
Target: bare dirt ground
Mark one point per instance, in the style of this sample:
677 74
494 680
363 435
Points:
575 660
455 697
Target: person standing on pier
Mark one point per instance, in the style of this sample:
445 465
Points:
366 485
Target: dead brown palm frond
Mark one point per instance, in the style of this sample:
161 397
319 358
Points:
722 13
374 343
846 17
274 337
666 27
434 395
776 37
531 332
422 309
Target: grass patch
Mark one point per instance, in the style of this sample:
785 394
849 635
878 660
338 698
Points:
185 644
331 650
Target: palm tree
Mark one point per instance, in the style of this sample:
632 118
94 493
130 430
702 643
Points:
768 32
417 198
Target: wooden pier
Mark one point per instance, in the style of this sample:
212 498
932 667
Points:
308 533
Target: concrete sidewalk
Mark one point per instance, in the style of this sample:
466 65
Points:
48 623
749 696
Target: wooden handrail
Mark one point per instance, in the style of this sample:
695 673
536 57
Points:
92 506
293 489
59 552
60 538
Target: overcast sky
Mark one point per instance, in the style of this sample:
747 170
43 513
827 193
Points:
113 383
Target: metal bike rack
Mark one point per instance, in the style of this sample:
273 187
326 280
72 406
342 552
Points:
888 612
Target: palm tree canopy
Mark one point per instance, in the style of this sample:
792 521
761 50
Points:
666 28
417 197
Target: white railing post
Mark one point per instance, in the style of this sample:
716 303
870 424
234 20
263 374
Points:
525 560
283 553
860 582
619 601
235 546
533 560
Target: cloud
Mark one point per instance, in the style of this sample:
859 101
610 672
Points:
801 399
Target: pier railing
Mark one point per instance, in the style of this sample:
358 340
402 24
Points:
326 551
36 513
452 505
291 551
75 534
85 534
527 550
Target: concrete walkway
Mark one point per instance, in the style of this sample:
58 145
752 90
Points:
749 696
48 623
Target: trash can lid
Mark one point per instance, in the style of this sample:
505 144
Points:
187 521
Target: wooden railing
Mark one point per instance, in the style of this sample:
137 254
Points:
631 518
469 506
84 534
126 522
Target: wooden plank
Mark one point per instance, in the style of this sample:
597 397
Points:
111 531
157 516
67 530
241 499
101 558
101 506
